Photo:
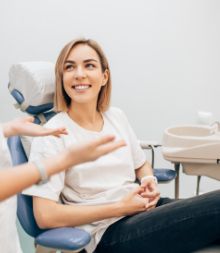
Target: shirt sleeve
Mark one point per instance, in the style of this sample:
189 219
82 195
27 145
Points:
44 147
138 155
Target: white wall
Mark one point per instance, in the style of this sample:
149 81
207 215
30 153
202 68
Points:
164 56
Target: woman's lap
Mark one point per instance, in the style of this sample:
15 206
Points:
174 226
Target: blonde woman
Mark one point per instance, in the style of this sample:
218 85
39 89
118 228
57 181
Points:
102 197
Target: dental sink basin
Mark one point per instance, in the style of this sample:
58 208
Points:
191 131
191 142
196 147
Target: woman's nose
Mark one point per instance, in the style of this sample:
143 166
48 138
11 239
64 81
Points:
80 73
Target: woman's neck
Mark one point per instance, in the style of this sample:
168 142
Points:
86 116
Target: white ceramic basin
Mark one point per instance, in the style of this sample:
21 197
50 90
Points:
196 147
189 142
189 135
190 131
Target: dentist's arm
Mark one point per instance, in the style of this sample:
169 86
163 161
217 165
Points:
25 126
14 180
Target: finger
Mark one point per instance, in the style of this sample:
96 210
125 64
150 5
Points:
150 184
151 205
153 186
144 183
136 191
62 130
144 195
153 202
57 132
146 204
103 140
143 201
148 194
29 119
107 148
151 208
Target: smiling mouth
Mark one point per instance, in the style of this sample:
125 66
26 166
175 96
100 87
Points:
81 87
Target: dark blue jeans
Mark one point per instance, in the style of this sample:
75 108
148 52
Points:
172 227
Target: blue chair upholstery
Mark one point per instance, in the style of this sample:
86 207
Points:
59 238
34 110
164 175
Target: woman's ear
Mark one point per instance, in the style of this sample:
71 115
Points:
105 77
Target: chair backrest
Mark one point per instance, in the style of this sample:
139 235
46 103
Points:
32 85
25 207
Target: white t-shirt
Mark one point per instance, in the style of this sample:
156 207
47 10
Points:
9 242
105 180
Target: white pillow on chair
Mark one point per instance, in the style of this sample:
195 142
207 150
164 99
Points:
34 80
34 85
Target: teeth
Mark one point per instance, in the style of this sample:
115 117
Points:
81 87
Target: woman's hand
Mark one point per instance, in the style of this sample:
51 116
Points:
133 203
25 126
150 191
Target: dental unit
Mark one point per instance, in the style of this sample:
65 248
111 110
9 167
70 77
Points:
195 147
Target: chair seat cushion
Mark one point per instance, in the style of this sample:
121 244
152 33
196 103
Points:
63 238
164 175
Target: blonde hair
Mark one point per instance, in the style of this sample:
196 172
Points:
61 99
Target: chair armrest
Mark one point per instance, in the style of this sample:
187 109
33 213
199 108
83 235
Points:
147 144
64 238
150 145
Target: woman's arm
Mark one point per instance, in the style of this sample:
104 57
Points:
14 180
148 184
143 171
49 214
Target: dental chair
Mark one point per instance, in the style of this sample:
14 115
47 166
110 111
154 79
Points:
38 102
65 239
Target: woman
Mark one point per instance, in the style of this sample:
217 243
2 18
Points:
13 180
102 197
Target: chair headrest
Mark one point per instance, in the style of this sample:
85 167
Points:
32 85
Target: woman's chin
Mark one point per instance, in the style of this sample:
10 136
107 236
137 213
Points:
83 100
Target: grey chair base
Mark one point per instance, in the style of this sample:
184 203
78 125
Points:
41 249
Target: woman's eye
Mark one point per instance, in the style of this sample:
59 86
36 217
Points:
69 67
90 66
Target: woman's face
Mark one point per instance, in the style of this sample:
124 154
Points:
83 76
